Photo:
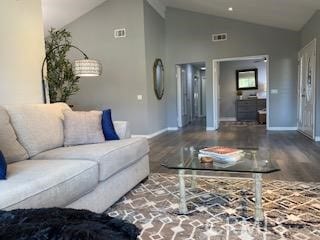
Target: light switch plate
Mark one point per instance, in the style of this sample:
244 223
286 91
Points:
274 91
139 97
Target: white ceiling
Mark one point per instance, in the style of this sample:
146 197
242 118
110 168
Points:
288 14
58 13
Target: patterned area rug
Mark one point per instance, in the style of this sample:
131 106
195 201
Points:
222 209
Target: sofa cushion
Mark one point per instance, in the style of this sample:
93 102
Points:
47 183
10 147
39 127
112 156
122 129
82 128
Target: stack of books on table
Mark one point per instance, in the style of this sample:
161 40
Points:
221 154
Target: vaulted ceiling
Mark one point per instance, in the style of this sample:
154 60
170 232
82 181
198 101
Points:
287 14
58 13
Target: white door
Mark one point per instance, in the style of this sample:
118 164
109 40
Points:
182 96
216 94
185 97
306 89
179 95
196 96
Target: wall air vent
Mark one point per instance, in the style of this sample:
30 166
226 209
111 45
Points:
219 37
120 33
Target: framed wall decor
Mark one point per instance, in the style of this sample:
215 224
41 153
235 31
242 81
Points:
158 78
247 79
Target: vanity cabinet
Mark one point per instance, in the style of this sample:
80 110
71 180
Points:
247 109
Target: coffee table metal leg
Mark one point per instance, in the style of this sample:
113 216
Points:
183 204
194 179
258 197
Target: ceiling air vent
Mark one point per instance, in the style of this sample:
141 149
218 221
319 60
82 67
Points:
219 37
120 33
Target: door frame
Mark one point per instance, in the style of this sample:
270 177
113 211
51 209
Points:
215 86
180 103
216 93
179 95
314 41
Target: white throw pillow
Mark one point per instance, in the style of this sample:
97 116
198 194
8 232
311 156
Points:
82 128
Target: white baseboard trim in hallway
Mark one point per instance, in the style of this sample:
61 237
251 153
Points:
152 135
228 119
282 129
317 139
210 129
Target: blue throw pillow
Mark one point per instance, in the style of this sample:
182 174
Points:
107 126
3 167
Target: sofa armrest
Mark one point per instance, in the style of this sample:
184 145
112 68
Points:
122 128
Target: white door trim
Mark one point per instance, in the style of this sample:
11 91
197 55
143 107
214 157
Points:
215 85
313 42
179 95
215 92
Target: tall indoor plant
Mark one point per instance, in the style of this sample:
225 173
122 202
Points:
62 81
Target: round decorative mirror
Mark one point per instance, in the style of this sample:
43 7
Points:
158 78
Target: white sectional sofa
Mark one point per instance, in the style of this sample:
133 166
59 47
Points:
44 173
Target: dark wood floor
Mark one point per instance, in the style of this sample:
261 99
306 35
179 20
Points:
297 156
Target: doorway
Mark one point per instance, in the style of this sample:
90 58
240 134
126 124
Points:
191 99
240 91
306 90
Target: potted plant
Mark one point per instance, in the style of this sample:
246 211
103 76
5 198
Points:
61 79
240 94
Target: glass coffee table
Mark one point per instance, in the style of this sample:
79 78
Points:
253 160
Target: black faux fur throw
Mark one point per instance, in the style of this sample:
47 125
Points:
63 224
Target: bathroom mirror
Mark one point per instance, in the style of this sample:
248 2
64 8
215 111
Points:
158 78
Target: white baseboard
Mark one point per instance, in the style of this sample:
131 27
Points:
317 138
282 128
172 128
210 129
152 135
228 119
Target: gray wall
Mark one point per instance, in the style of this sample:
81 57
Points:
127 62
228 87
123 61
154 29
21 52
310 31
188 39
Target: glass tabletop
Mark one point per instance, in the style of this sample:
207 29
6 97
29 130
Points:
252 160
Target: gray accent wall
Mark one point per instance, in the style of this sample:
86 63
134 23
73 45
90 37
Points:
188 39
309 32
154 30
123 61
127 63
228 88
182 37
